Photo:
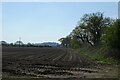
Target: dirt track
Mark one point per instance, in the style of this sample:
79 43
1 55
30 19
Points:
48 63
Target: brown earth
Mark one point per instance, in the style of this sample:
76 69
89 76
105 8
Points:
53 63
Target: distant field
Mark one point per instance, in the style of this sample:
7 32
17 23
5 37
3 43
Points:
50 63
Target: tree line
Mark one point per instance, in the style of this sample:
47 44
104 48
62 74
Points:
21 44
94 29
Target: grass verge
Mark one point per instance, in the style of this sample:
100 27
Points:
98 54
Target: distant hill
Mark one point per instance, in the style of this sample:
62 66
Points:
20 43
53 44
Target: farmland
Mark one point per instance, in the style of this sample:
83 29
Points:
51 63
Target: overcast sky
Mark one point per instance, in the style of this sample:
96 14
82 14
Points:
38 22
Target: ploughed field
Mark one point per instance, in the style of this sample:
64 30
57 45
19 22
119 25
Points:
31 62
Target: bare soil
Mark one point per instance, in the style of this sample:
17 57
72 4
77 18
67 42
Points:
51 63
